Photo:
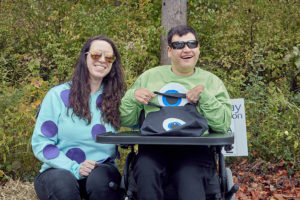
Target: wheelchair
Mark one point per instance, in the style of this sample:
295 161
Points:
221 185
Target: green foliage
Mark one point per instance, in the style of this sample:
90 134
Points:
40 42
253 46
19 108
51 34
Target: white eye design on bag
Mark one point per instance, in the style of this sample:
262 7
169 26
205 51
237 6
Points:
169 101
171 123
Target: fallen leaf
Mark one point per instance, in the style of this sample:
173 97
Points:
281 164
254 195
272 188
246 179
244 161
278 196
283 172
297 190
254 185
242 173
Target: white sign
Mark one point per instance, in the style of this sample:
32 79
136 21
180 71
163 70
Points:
238 129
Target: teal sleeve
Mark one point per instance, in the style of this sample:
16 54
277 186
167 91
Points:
216 108
44 140
130 109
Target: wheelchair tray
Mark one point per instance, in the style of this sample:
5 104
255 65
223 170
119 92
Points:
135 137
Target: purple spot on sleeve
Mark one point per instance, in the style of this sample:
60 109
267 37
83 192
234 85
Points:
76 154
49 128
99 100
50 151
64 95
98 129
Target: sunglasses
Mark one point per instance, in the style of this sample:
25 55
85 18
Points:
97 54
192 44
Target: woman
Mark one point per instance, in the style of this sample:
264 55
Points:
71 115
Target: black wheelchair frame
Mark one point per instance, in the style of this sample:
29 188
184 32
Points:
222 188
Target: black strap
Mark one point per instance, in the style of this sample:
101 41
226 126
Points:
175 95
172 95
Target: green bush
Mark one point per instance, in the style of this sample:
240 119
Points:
19 108
253 46
40 42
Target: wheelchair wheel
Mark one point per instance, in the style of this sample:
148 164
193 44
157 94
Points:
229 181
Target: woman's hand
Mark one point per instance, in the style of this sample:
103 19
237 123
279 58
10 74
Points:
86 167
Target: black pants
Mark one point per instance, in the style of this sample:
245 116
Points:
60 184
189 167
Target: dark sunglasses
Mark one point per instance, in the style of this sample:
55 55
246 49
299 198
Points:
192 44
97 54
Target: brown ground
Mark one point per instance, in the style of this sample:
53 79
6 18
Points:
257 181
17 190
261 181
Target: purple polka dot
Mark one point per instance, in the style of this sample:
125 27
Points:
64 95
49 128
76 154
98 129
50 151
99 100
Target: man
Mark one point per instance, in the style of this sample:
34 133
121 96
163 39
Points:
190 167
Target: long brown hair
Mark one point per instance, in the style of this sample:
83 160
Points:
113 91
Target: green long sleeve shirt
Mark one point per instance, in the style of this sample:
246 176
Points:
214 101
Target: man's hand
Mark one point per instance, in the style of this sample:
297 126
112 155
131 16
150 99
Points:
143 96
86 167
193 95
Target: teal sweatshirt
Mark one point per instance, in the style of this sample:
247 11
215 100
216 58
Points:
65 141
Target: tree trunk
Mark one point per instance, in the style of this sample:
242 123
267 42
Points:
173 13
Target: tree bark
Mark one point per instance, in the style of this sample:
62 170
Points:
173 14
